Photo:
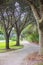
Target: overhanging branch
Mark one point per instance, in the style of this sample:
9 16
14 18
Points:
34 9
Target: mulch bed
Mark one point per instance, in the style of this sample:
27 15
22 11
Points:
32 59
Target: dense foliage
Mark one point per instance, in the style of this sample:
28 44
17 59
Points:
30 33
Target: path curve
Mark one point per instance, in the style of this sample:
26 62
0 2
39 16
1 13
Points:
16 57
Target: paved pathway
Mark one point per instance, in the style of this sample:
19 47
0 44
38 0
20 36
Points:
16 57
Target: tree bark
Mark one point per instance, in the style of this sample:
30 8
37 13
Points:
41 42
39 19
7 42
17 42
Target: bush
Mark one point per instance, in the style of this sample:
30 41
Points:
33 37
13 38
2 37
1 32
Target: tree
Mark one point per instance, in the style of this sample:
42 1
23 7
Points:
6 21
19 26
38 14
21 20
5 2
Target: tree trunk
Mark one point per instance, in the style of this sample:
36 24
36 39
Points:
17 42
41 42
41 38
7 42
39 18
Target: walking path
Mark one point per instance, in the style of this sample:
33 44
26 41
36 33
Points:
16 57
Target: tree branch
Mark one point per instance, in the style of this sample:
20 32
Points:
34 10
10 30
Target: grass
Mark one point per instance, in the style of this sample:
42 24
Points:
11 45
38 64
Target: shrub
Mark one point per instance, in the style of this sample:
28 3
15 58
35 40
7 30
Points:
2 37
1 32
13 38
33 37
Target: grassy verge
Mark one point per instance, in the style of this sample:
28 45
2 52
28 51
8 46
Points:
11 45
38 64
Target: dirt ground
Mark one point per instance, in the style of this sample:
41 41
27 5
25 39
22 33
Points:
33 59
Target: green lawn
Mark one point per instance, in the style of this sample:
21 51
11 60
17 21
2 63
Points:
11 45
